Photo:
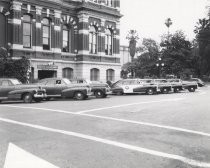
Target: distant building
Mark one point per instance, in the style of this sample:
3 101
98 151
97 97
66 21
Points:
64 38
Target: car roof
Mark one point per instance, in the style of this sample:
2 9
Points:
8 79
53 79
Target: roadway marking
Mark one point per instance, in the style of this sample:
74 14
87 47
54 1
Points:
19 158
202 93
44 109
131 104
112 143
120 120
150 125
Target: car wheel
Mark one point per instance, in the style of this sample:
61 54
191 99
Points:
37 100
176 90
79 96
191 89
105 95
150 91
165 91
119 93
27 98
99 94
48 98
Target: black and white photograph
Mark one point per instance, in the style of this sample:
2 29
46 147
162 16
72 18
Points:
104 83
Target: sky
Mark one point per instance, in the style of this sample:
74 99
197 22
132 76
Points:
148 17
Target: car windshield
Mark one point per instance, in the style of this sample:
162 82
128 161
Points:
15 82
161 81
174 80
67 81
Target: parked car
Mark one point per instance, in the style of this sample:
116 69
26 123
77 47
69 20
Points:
199 81
129 86
178 85
163 86
13 89
63 87
99 89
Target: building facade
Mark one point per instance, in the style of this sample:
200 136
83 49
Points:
64 38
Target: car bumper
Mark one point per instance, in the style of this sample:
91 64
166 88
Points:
42 95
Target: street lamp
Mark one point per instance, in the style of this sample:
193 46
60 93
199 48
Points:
159 65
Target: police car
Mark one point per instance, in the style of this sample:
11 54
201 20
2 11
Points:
133 86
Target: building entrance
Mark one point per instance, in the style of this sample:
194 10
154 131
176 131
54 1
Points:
46 74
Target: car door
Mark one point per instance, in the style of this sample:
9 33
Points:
130 86
49 85
139 86
5 87
59 86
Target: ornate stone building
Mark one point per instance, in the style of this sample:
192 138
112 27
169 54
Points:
64 38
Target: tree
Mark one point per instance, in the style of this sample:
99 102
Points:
168 23
144 64
13 68
177 55
133 38
202 30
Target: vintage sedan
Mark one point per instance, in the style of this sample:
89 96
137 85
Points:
133 86
13 89
99 89
178 85
163 86
63 87
198 81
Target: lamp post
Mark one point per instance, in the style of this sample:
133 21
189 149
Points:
160 65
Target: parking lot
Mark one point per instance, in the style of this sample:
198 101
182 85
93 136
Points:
128 131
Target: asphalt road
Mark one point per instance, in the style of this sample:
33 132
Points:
129 131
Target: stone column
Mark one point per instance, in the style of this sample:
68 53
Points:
83 43
38 43
101 39
116 41
57 31
15 26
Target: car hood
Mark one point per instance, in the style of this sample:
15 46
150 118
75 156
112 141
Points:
28 86
189 82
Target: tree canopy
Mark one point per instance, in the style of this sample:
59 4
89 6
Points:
13 68
177 57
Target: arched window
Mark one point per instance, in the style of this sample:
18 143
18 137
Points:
94 74
66 39
110 74
46 34
2 30
27 31
108 42
93 36
68 73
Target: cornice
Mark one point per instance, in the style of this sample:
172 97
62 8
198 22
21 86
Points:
104 10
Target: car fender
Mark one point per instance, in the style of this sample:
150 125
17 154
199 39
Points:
97 89
69 92
17 94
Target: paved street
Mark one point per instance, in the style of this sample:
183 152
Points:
129 131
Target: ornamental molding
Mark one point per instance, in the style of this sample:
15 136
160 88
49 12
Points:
65 19
16 6
4 11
